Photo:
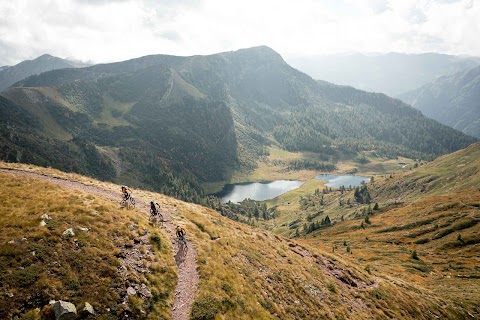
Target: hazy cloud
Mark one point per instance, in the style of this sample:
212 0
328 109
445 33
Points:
101 30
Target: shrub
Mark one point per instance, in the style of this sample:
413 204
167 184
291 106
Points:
331 286
205 308
368 268
27 276
415 255
156 240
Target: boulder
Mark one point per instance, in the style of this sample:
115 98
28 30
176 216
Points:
87 310
84 229
131 291
68 233
64 310
46 217
43 223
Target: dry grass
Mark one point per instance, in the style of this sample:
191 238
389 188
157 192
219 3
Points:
41 264
248 273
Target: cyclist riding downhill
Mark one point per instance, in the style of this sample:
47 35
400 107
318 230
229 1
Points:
155 211
180 233
126 192
127 199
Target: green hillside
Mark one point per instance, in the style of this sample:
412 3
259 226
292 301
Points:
173 123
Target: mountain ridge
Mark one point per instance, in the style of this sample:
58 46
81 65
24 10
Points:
46 62
204 117
452 100
390 73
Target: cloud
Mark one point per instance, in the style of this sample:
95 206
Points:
103 31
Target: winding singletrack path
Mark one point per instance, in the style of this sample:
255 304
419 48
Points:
188 277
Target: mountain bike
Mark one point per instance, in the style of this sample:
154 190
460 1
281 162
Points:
156 216
127 201
182 244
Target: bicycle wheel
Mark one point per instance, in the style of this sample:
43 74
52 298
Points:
132 202
184 247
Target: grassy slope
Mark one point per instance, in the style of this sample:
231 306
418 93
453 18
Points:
437 214
41 264
248 273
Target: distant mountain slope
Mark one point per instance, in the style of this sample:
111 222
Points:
453 100
157 118
392 73
11 74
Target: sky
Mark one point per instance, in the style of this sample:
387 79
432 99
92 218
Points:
113 30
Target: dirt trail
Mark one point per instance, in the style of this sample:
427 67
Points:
188 277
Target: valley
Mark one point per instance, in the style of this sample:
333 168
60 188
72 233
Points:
402 243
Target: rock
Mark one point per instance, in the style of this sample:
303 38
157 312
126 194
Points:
87 310
64 310
84 229
11 241
131 291
52 302
43 223
68 233
9 294
46 217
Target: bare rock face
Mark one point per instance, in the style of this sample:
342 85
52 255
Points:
64 310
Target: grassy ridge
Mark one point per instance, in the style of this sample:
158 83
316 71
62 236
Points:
38 263
248 273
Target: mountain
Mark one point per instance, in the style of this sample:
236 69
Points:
11 74
453 100
392 73
125 267
170 123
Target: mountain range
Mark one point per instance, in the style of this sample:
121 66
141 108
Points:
171 123
391 73
11 74
453 100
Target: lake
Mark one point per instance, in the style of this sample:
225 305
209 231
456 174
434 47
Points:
336 181
257 190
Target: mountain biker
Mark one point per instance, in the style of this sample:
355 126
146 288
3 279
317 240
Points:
154 207
126 192
180 232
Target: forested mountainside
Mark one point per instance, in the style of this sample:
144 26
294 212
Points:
453 100
11 74
170 123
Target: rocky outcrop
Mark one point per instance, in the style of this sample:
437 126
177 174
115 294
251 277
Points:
64 310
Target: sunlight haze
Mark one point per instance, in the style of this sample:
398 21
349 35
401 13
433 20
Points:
105 31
